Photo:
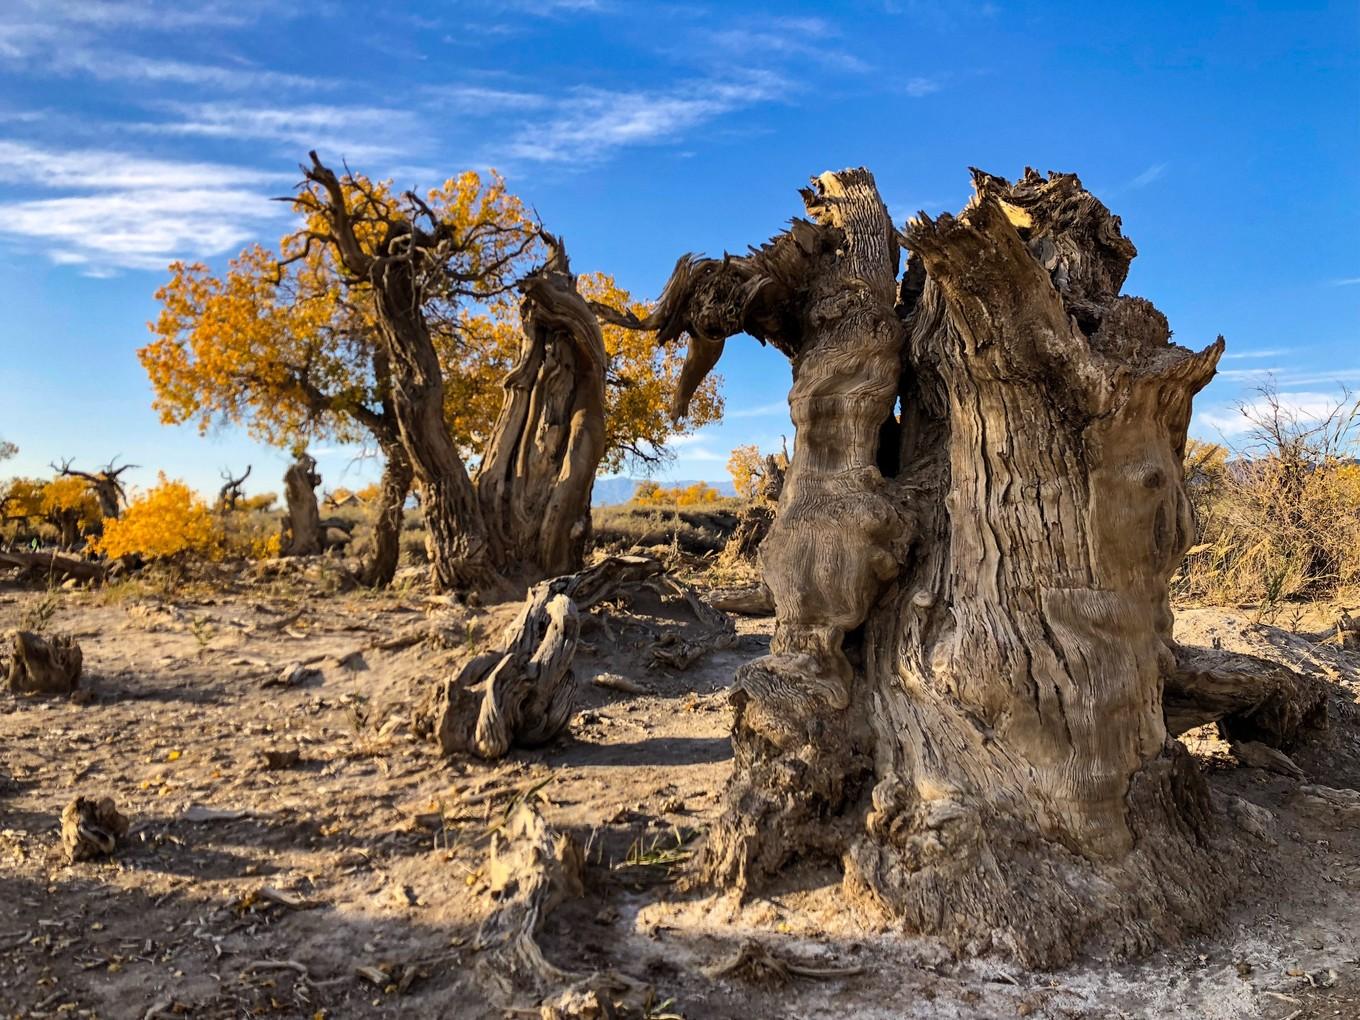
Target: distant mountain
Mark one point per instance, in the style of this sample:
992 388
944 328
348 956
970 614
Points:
609 491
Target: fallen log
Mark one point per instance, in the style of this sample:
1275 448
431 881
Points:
53 564
1250 698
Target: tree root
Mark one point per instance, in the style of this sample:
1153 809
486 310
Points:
41 665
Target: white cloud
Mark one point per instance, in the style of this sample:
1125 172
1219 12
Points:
130 212
110 66
1153 173
591 123
1273 353
922 86
354 132
1236 420
1346 281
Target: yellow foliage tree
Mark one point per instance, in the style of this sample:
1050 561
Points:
286 344
168 520
745 466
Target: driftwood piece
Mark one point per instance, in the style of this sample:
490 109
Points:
1250 698
42 665
91 828
53 564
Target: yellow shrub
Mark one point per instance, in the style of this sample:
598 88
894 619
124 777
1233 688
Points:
698 494
168 520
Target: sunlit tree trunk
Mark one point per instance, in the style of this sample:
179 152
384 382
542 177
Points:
963 702
539 468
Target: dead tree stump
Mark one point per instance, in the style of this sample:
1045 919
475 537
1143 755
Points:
42 665
303 527
963 702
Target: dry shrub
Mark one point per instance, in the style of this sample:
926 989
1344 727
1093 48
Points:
1279 517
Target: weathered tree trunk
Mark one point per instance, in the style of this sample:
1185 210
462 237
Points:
535 480
458 535
304 517
409 263
230 494
394 488
963 701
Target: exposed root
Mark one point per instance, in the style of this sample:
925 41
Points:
1251 698
755 963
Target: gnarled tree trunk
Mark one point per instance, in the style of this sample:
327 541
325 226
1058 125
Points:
304 517
535 480
963 701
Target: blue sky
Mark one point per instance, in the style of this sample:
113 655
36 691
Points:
137 131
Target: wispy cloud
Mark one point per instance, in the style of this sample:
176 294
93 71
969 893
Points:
808 40
130 212
356 132
1237 420
921 86
1153 173
590 123
1274 352
1346 281
129 67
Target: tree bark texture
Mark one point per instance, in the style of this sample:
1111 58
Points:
536 477
304 517
963 701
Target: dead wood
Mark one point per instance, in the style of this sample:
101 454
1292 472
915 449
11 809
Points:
1250 698
43 665
53 565
753 600
91 828
972 616
531 870
302 531
523 693
674 650
231 492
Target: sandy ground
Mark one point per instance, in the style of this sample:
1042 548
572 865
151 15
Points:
246 891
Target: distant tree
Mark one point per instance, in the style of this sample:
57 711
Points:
168 520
